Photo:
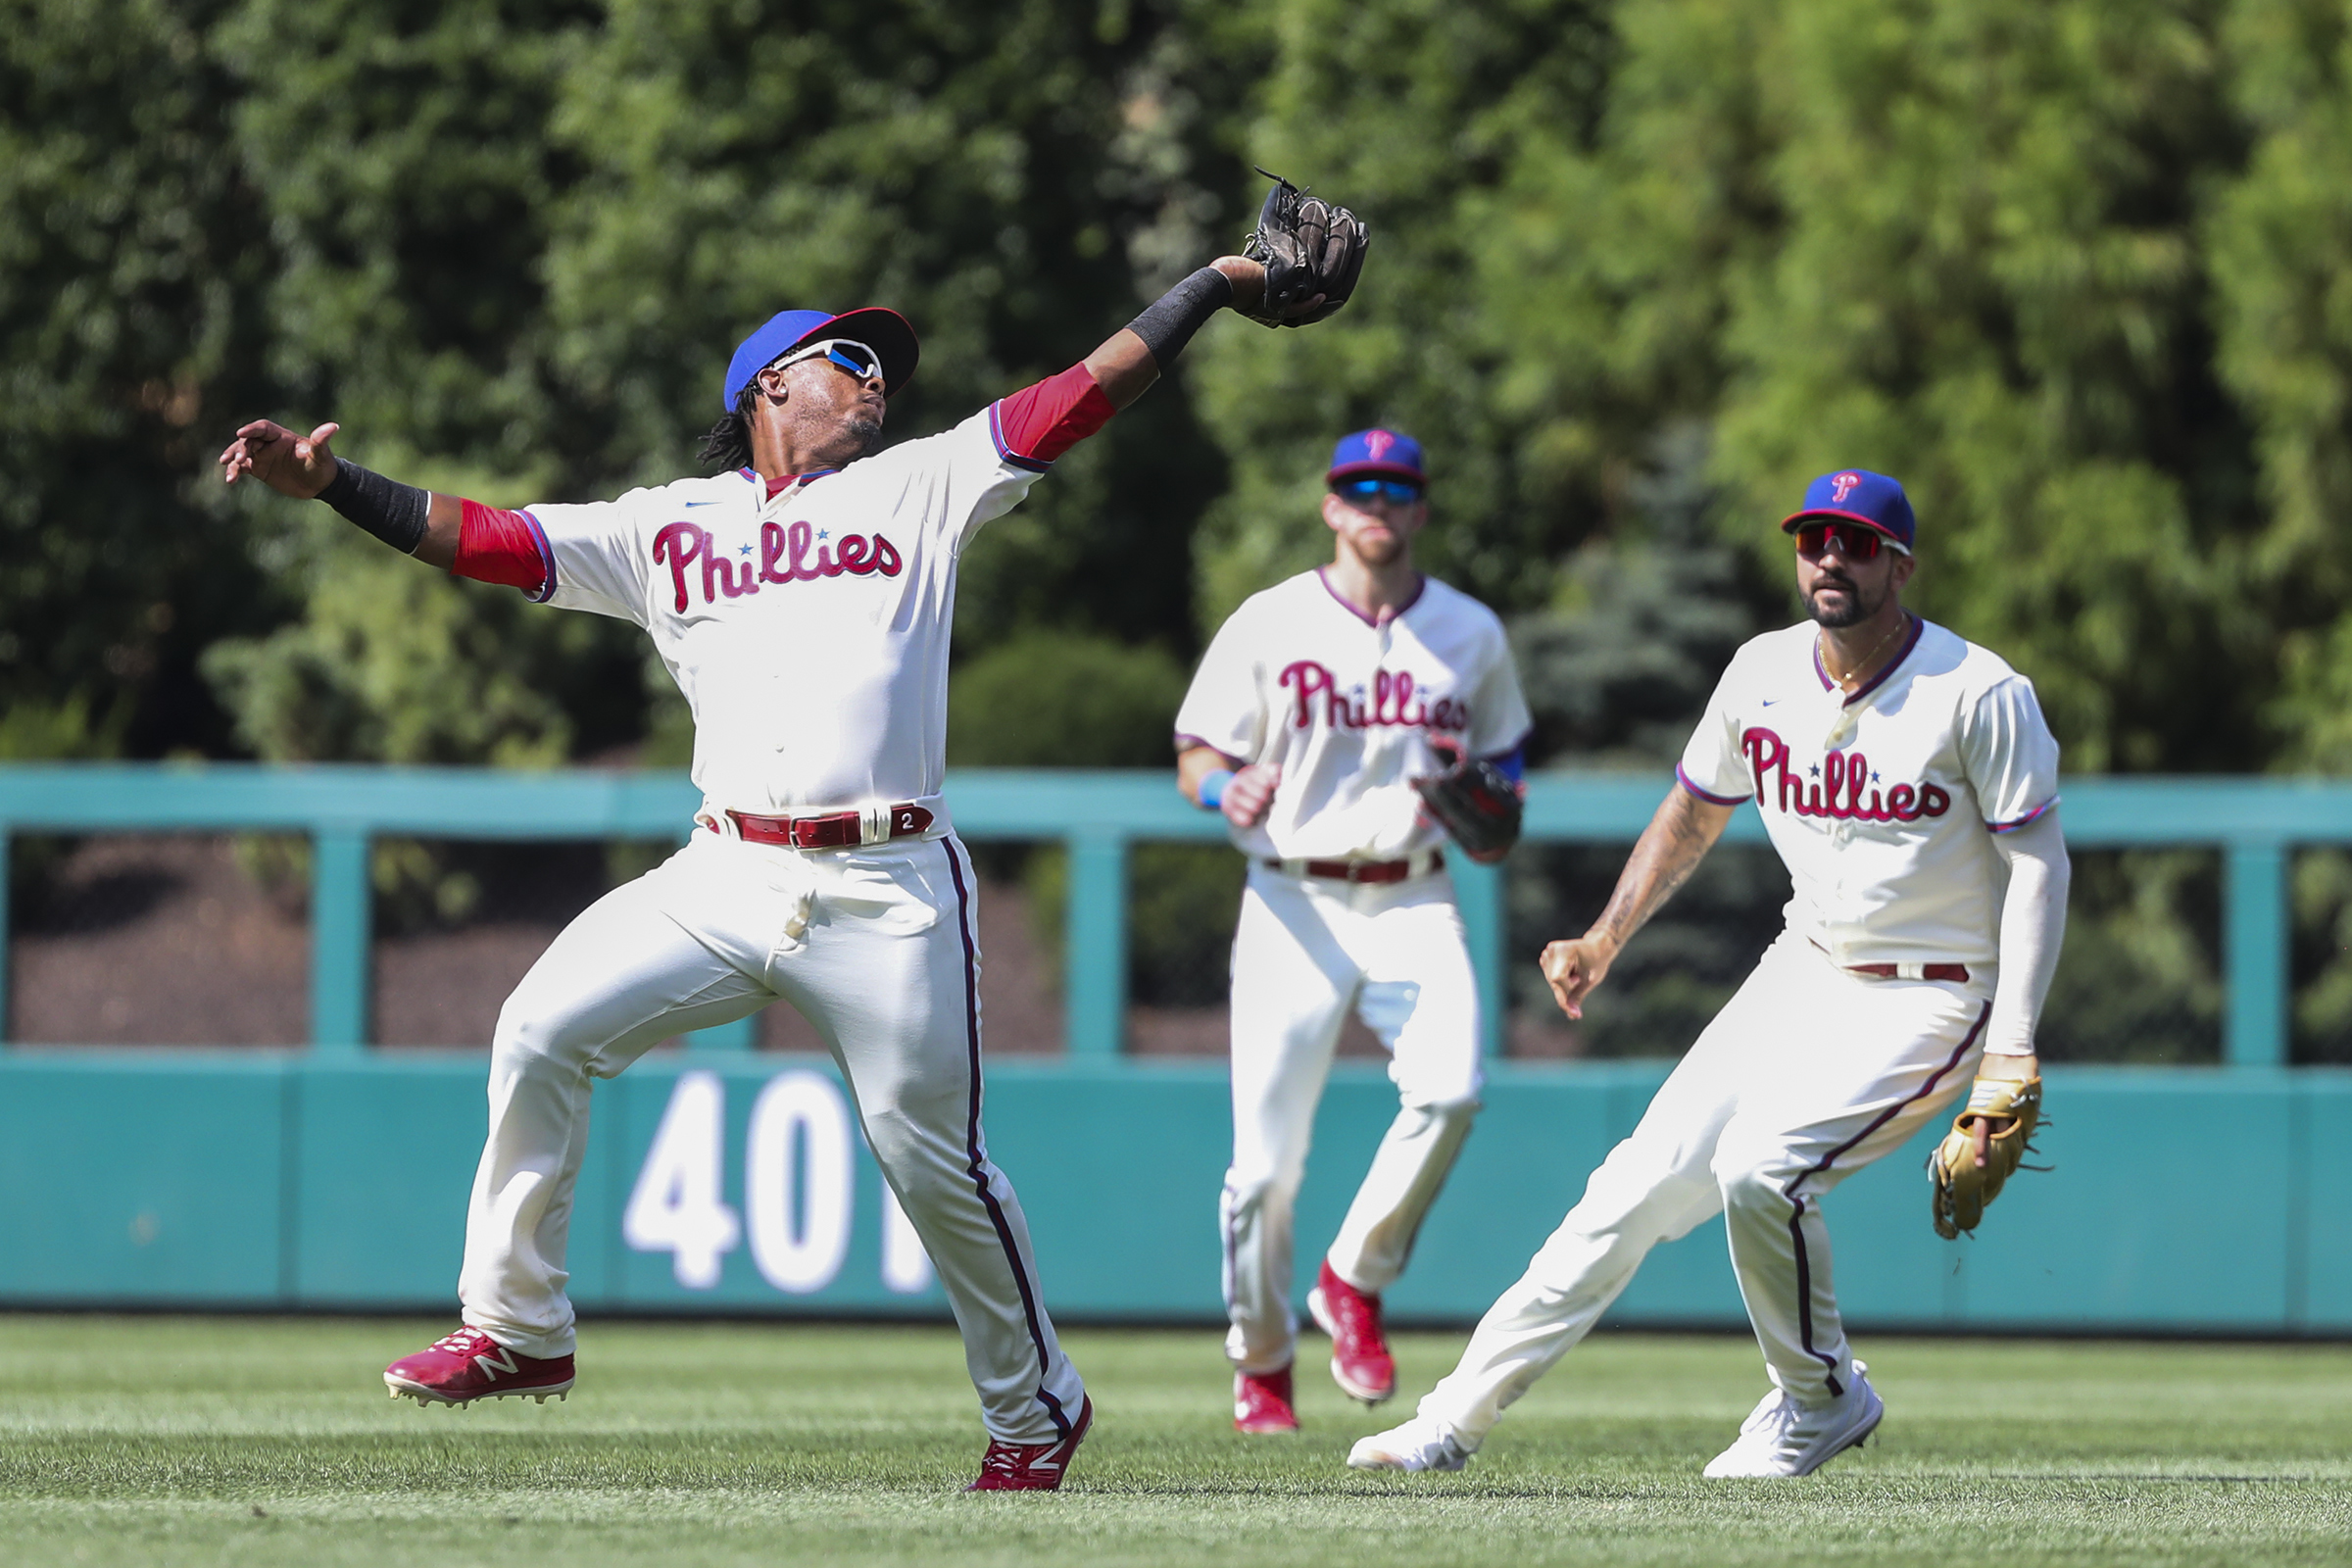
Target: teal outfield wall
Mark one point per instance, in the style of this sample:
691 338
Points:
254 1180
1097 816
723 1180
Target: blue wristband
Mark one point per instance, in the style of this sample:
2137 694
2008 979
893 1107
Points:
1213 789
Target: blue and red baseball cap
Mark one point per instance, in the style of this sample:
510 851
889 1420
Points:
1377 455
885 332
1856 495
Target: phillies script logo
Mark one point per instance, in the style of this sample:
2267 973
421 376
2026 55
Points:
1377 443
681 544
1845 484
1393 701
1837 792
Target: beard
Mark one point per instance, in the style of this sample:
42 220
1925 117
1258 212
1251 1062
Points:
1378 551
858 433
1858 607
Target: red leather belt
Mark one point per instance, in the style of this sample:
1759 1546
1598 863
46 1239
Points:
831 831
1927 971
1374 871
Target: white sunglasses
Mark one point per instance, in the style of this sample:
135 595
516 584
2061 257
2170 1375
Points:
851 355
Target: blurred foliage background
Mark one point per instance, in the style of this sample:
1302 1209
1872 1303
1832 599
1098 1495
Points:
2079 270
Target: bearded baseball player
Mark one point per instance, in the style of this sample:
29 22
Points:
1346 722
1909 783
802 600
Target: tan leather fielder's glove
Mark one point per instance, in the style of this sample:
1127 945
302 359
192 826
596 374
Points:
2011 1109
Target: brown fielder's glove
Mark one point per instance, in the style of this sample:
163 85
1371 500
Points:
1962 1188
1474 802
1308 247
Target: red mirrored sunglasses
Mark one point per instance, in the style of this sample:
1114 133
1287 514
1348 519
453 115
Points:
1854 542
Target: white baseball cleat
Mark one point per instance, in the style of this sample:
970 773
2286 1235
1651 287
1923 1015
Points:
1781 1437
1421 1444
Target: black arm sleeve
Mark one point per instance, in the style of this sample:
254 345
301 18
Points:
393 512
1169 325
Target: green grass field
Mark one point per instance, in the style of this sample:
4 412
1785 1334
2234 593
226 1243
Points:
267 1442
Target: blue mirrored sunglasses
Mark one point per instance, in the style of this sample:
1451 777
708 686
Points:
1393 490
851 355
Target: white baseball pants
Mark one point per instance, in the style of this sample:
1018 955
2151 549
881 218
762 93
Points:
1809 1074
1307 950
876 947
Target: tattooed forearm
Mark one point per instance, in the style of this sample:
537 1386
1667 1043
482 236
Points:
1677 839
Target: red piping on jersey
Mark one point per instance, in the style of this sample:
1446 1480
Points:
1039 424
503 547
1420 587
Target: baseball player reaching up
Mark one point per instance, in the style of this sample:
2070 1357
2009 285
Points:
1339 720
802 600
1910 785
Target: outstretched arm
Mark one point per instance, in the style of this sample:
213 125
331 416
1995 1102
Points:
1670 848
414 521
1039 424
1131 358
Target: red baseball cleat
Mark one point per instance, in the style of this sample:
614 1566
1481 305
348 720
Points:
1032 1467
470 1365
1261 1402
1360 1363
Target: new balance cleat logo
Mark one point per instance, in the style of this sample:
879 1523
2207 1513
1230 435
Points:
469 1365
1032 1467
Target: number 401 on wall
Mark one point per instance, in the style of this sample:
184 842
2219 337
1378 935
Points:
797 1211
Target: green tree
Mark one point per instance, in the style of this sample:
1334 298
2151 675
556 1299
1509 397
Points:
2278 241
1413 113
402 160
402 157
1988 281
1017 180
131 262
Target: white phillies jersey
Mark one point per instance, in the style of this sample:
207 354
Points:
1298 678
1883 803
809 632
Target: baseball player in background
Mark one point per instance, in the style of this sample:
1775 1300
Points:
1317 707
1910 785
802 600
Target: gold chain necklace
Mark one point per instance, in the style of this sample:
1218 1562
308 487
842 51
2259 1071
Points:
1862 663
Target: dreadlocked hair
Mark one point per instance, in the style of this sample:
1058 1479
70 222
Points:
729 443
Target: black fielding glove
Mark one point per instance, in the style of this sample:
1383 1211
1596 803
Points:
1308 247
1477 804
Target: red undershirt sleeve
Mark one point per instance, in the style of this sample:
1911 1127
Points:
504 547
1039 424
